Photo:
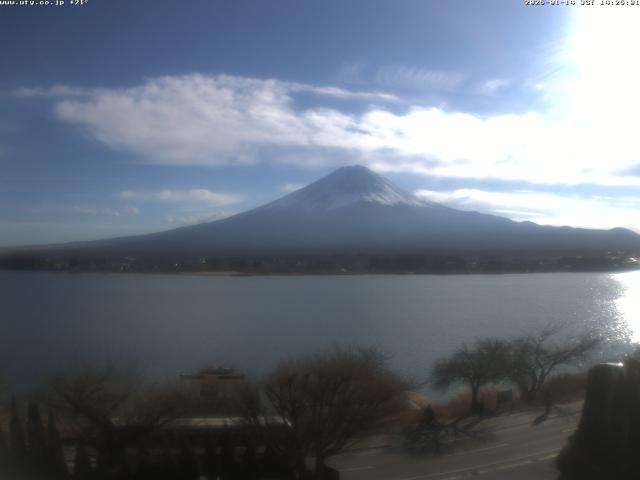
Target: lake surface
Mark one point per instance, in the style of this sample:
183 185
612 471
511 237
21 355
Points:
171 323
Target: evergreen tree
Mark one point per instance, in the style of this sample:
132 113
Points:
228 453
16 435
36 439
4 456
55 451
82 469
249 461
144 466
269 461
167 467
4 448
211 463
111 461
101 466
187 462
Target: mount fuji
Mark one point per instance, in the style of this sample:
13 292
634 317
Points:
356 211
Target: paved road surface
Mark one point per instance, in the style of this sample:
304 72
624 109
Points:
511 448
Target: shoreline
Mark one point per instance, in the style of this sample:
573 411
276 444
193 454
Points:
238 274
225 273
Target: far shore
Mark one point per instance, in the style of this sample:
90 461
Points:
236 273
228 273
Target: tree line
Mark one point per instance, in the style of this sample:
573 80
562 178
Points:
356 263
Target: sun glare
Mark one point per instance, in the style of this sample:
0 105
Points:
628 304
601 94
603 49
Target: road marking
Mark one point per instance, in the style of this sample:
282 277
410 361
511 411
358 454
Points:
371 452
512 427
356 469
518 464
477 473
465 452
477 469
515 426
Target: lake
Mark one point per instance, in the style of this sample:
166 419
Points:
176 323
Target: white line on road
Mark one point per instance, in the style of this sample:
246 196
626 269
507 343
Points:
371 452
465 452
516 465
548 421
356 469
513 427
501 465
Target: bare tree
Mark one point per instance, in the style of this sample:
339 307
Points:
532 358
113 407
475 366
318 405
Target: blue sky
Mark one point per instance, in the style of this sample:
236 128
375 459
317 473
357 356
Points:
122 117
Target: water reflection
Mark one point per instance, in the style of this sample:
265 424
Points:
628 303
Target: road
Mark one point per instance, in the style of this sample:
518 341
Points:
511 447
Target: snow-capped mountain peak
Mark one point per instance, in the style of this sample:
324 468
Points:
347 186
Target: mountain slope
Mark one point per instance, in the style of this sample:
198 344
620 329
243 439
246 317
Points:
354 210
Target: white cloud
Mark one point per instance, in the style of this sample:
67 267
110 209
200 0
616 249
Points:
544 207
399 76
25 233
226 120
351 72
110 212
492 87
417 78
210 120
195 195
56 90
292 187
192 218
86 210
340 92
539 86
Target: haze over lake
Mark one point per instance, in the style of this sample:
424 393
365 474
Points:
171 323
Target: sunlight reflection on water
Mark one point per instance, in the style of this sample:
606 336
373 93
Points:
628 304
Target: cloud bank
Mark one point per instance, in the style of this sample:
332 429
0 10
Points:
193 196
544 207
228 120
